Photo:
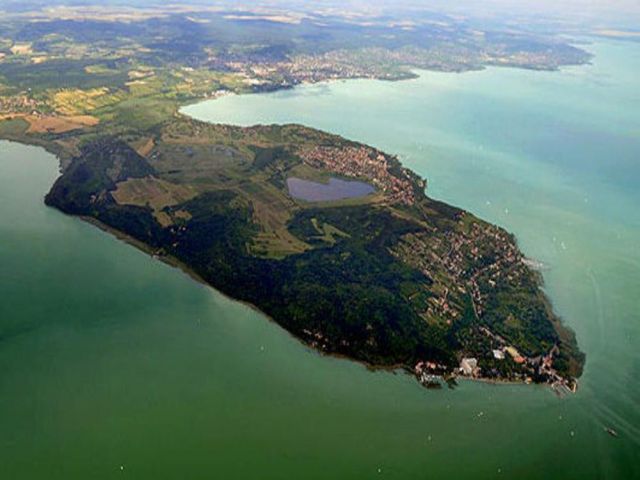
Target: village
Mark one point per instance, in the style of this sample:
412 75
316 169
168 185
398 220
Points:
482 259
363 163
18 104
528 369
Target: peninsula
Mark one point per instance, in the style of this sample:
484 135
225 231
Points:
334 240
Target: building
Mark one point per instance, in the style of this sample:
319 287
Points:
513 352
469 366
498 354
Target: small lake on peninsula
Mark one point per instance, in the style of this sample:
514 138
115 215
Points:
334 189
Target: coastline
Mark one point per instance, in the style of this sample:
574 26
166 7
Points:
52 147
538 268
205 373
189 272
413 73
174 262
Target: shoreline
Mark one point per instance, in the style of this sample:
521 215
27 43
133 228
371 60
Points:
195 277
413 73
190 272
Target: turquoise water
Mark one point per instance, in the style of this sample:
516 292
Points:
553 157
114 365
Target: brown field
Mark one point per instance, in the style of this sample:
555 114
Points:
272 211
76 102
138 74
70 145
274 240
21 49
13 126
155 193
59 124
143 146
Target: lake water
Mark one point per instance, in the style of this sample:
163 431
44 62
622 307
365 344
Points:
115 365
334 189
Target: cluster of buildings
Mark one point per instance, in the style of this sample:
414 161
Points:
338 64
540 366
364 163
477 260
18 104
426 253
493 253
469 366
538 60
371 62
317 339
432 374
333 65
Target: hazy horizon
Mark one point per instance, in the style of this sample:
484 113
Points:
622 11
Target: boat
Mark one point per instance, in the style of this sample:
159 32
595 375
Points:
611 431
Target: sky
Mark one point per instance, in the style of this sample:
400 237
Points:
604 13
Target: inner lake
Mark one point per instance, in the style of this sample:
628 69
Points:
334 189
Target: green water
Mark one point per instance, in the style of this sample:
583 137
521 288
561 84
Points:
114 365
